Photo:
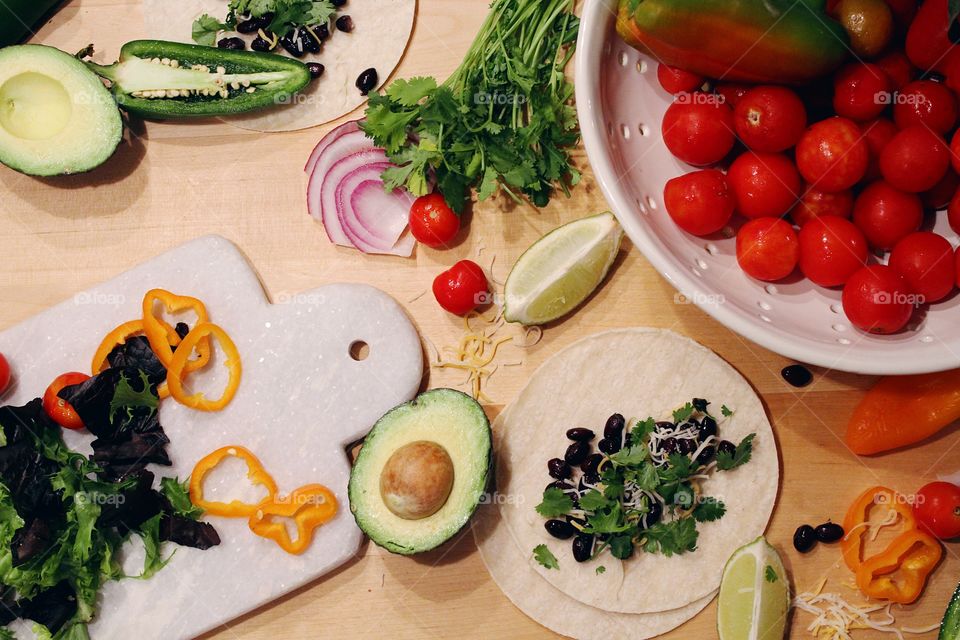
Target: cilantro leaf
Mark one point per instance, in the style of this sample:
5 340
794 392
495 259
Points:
683 496
621 546
642 430
671 538
708 510
646 477
593 500
410 92
726 411
631 456
770 574
607 520
683 413
601 569
205 30
727 461
555 503
545 557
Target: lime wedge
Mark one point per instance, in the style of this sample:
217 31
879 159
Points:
754 594
561 269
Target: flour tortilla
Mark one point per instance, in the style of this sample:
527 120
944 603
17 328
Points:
636 372
382 30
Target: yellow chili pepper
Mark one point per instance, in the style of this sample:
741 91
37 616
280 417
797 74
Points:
899 573
309 506
178 366
119 336
858 515
234 509
164 337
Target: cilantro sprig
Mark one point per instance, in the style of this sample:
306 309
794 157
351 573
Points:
287 15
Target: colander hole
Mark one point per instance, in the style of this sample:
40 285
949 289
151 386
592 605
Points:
711 248
835 308
644 130
843 341
702 264
625 131
696 272
624 61
642 207
607 49
771 289
839 327
764 305
642 66
651 203
609 130
926 339
765 318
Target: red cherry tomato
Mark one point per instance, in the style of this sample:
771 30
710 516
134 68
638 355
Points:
951 69
877 133
831 250
898 68
832 154
956 260
885 215
461 288
915 160
940 195
764 184
698 128
903 11
953 212
928 103
770 118
925 260
4 373
861 91
700 202
767 249
432 222
937 507
675 80
877 300
955 151
928 38
58 409
817 204
732 92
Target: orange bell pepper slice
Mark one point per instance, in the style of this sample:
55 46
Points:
119 336
164 337
309 506
900 573
235 509
858 515
178 367
901 410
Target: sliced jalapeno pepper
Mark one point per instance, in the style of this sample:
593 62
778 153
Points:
158 79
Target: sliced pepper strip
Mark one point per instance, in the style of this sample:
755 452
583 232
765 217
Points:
163 337
309 506
119 336
858 515
235 509
178 367
899 573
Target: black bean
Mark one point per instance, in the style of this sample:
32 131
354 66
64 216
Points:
669 446
263 22
592 463
609 446
613 429
182 329
292 44
368 81
797 375
261 44
726 446
316 69
233 44
345 24
665 426
582 547
804 538
558 469
588 478
707 455
559 484
338 3
700 404
576 453
706 428
309 42
829 532
686 446
581 435
322 31
654 513
560 529
247 26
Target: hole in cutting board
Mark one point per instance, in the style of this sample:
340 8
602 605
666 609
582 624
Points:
359 350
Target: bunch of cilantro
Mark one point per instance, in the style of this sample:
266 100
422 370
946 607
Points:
286 15
504 119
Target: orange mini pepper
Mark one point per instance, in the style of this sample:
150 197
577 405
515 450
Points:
901 410
899 573
235 509
119 336
164 337
178 366
309 506
858 515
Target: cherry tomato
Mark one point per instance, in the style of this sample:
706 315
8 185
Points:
915 160
937 507
767 249
953 212
956 260
877 300
698 128
925 260
940 195
58 409
955 151
861 91
4 373
951 69
897 66
817 204
831 250
877 134
928 38
770 118
700 202
885 215
732 92
461 288
764 184
928 103
832 154
432 222
903 11
869 23
675 80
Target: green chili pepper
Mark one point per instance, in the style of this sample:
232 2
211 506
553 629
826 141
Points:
163 80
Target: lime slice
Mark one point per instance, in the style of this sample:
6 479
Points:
561 269
754 594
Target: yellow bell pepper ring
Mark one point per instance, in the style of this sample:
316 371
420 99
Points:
235 509
310 507
179 366
164 337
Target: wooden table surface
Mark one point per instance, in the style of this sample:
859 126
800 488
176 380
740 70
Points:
170 183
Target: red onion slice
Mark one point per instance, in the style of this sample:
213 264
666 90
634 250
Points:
321 201
373 219
327 140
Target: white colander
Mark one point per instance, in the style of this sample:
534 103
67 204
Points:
621 105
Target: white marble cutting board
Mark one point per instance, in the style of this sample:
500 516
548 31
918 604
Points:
302 400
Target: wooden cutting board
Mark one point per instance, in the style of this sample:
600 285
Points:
303 399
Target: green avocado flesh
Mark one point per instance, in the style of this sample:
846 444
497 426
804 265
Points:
56 117
448 418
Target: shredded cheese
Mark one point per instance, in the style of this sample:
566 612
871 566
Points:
475 352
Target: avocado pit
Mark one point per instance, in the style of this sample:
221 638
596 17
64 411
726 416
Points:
416 480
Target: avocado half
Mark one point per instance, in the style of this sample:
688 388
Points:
444 417
56 116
